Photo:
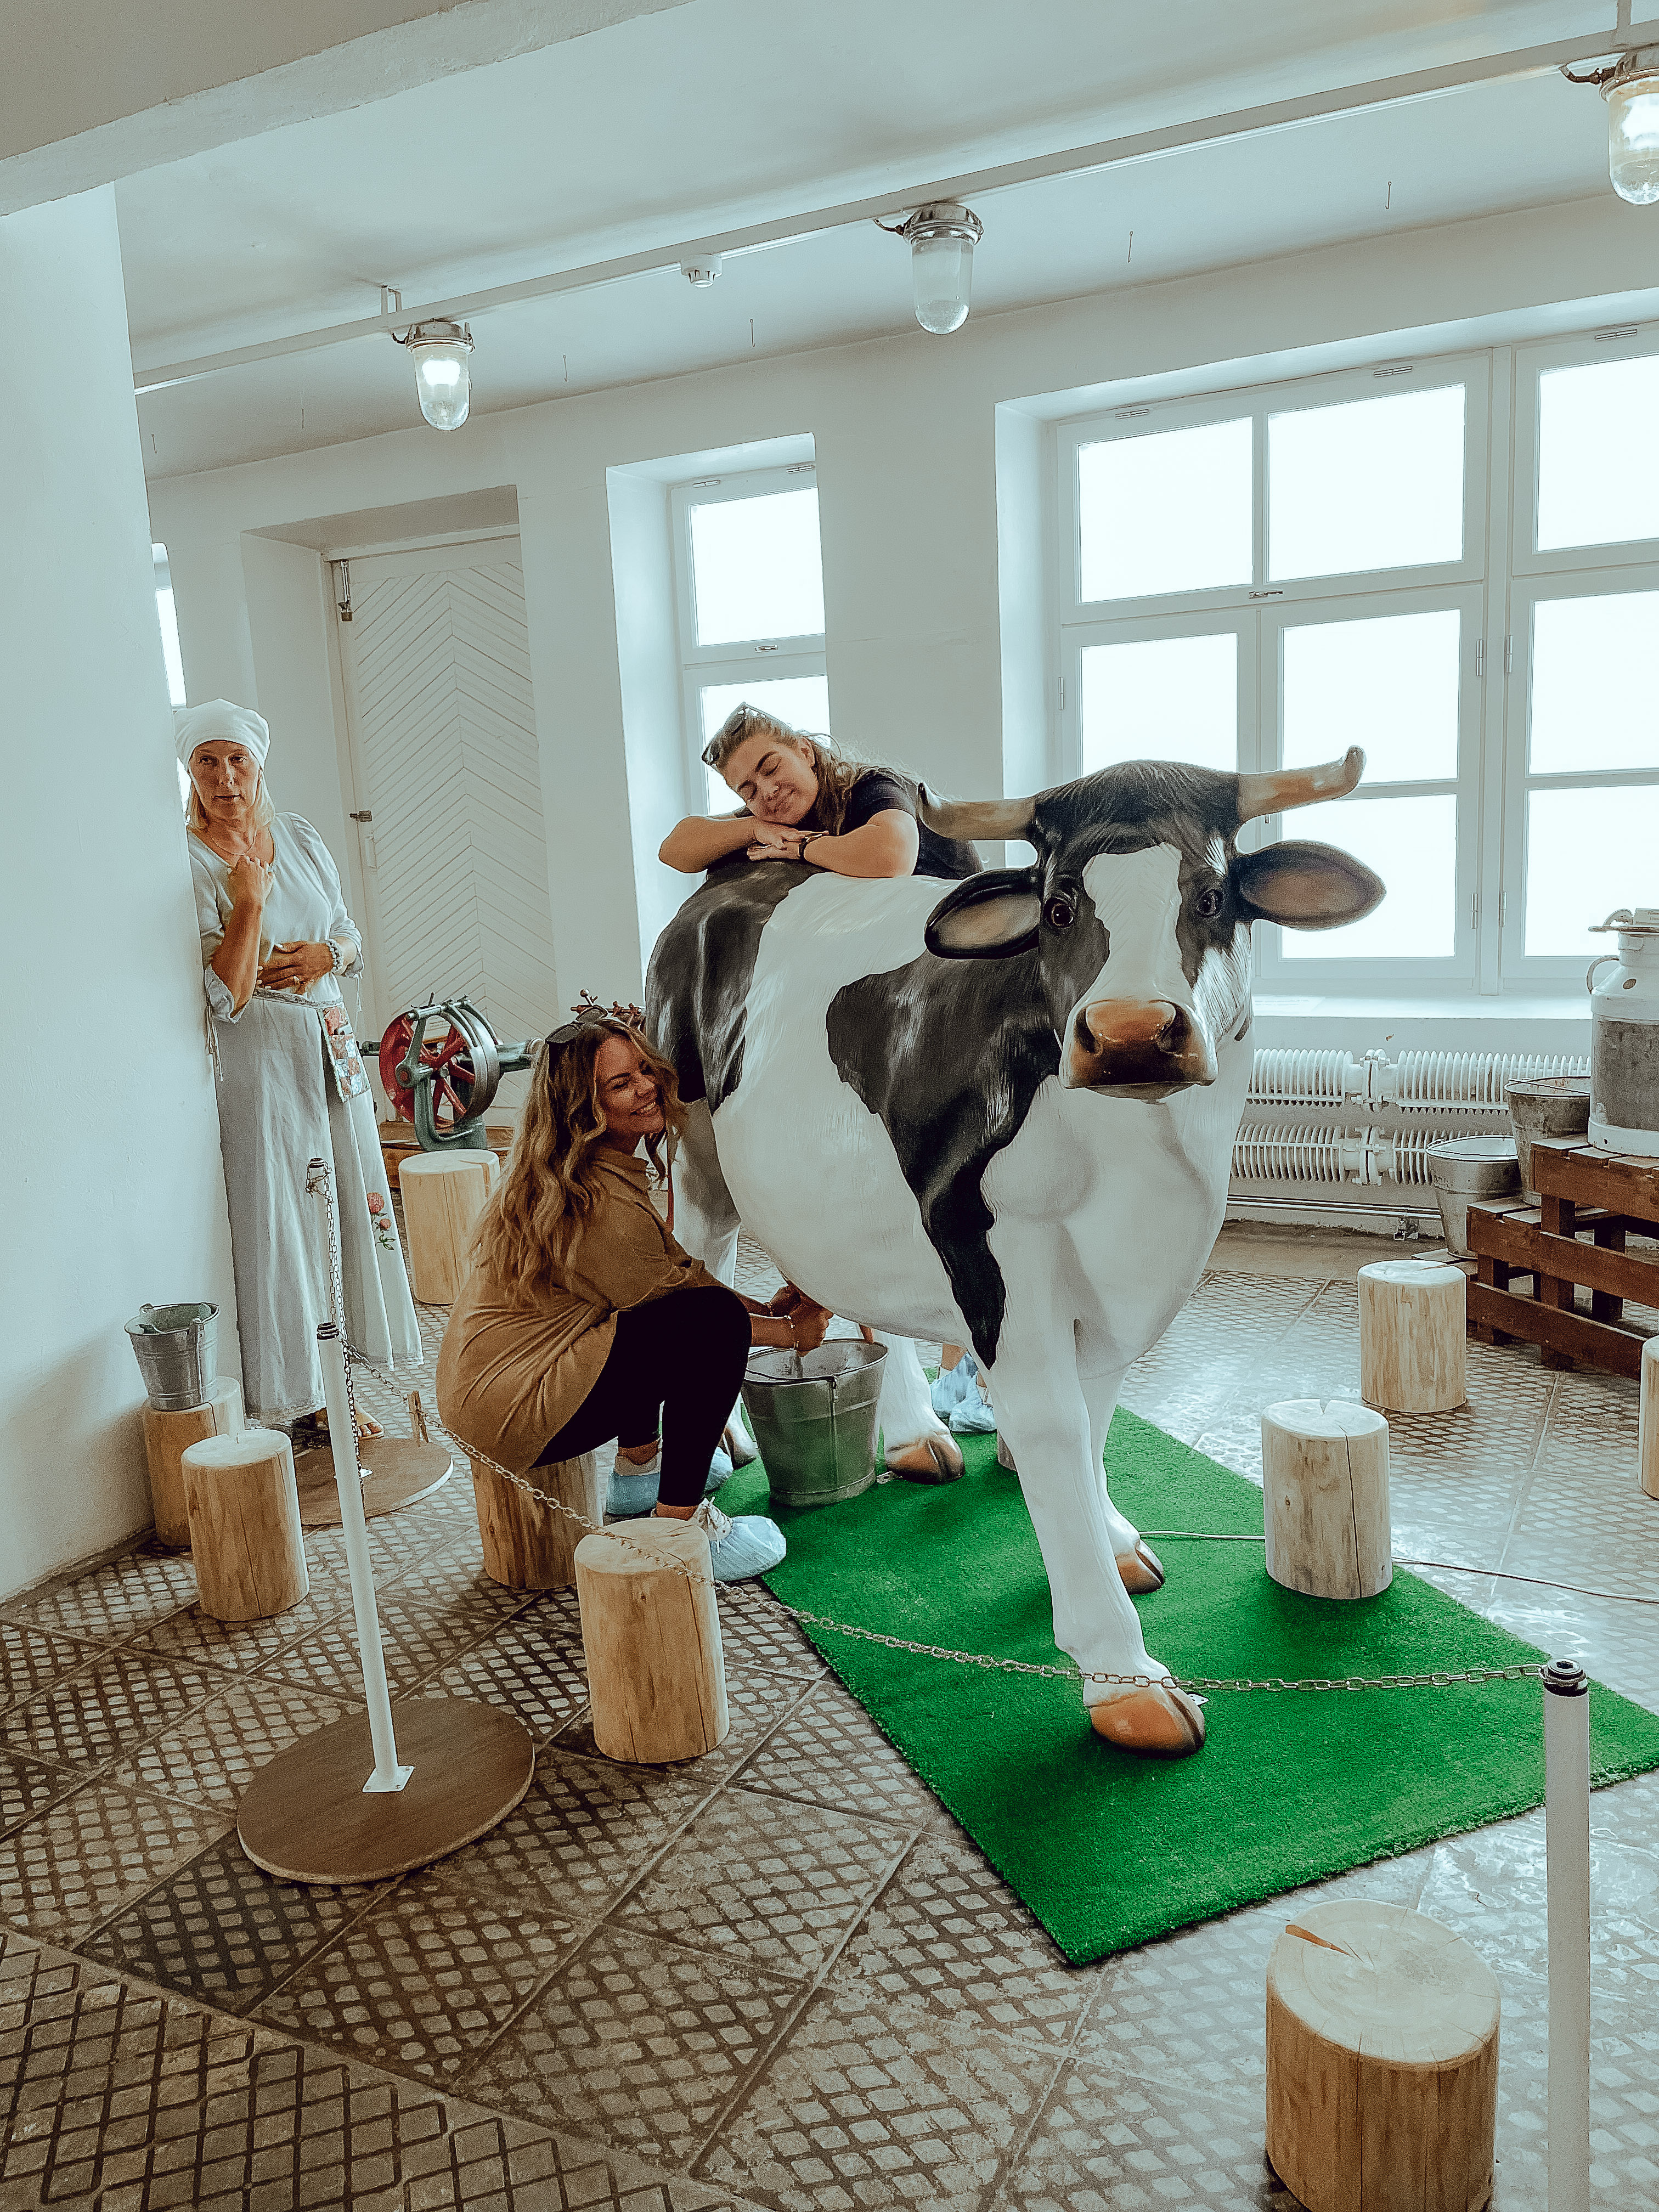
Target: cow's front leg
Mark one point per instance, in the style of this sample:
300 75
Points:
1138 1564
919 1445
1046 1416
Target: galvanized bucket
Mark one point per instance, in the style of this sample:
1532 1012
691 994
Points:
177 1349
814 1418
1463 1168
1545 1106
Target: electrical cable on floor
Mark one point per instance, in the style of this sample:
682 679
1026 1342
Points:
1446 1567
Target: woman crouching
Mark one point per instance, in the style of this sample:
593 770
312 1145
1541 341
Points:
582 1319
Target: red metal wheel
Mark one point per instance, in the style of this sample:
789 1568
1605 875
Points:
448 1056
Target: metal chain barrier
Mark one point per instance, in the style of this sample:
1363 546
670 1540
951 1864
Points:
1066 1671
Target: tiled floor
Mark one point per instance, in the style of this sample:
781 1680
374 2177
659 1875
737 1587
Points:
780 1977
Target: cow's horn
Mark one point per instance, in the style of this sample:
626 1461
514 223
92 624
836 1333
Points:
968 818
1298 787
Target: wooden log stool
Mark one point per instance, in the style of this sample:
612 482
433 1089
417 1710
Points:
245 1525
1647 1449
656 1673
1324 1497
529 1547
166 1436
443 1194
1411 1325
1381 2063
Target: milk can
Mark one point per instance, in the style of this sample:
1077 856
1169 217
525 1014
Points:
1624 1113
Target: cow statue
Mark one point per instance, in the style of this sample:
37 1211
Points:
1003 1115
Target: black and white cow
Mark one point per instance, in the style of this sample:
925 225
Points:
1003 1116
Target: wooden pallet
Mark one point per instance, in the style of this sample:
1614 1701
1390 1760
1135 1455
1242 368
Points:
1603 1197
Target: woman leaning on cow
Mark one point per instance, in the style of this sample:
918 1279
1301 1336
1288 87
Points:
583 1320
804 800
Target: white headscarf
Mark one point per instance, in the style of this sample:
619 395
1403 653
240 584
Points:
221 720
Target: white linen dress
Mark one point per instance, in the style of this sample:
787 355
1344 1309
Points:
279 1107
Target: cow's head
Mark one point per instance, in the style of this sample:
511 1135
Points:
1139 908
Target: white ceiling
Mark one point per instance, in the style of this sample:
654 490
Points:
722 113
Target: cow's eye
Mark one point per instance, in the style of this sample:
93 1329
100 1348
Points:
1208 903
1060 913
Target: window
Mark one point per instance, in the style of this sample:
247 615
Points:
749 588
166 615
1263 578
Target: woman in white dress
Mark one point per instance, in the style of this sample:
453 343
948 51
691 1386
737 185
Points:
276 937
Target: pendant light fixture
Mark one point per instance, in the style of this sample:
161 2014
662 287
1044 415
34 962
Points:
941 237
443 376
1631 87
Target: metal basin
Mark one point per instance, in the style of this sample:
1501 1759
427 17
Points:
1463 1168
814 1418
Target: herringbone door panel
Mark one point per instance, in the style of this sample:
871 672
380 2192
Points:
444 736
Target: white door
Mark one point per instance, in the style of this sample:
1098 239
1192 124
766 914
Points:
443 738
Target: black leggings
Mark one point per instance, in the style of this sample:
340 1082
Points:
678 1361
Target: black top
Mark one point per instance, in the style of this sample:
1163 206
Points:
878 791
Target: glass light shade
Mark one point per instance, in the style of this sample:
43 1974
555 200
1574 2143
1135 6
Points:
443 380
1633 138
942 276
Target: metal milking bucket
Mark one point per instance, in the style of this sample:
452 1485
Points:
177 1348
814 1418
1624 1115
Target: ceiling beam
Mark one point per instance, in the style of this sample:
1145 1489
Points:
1104 153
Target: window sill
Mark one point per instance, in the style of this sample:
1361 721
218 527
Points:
1530 1023
1519 1005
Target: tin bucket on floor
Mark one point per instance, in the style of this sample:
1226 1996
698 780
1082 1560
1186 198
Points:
1545 1106
1463 1168
814 1418
177 1348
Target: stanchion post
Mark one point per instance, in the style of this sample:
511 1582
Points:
1566 1843
343 1444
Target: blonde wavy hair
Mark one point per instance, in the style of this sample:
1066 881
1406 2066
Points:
836 771
264 810
548 1193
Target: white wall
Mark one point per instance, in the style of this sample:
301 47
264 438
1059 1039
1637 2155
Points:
114 1188
908 447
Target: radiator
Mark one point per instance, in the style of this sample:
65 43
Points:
1326 1137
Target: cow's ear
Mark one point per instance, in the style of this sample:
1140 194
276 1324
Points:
1305 886
989 917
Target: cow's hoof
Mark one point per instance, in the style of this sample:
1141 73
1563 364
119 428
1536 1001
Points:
1141 1569
1160 1722
930 1459
1004 1457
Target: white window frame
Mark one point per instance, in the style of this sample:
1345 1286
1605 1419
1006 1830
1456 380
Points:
767 659
1616 566
1259 610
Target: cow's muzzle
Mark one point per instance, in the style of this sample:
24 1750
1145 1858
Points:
1137 1048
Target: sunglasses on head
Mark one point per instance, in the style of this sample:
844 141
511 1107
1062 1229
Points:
569 1031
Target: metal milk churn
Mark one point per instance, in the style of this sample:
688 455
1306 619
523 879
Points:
1624 1114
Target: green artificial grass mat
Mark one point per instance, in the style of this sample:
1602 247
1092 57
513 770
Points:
1108 1849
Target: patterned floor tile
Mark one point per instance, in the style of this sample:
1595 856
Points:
31 1661
214 1755
539 1682
108 1709
222 1929
873 2104
756 1632
423 1982
829 1753
1490 1887
1108 2142
948 1932
757 1700
132 2101
1624 2136
637 2044
239 1646
27 1787
91 1852
580 1836
116 1601
415 1643
765 1879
